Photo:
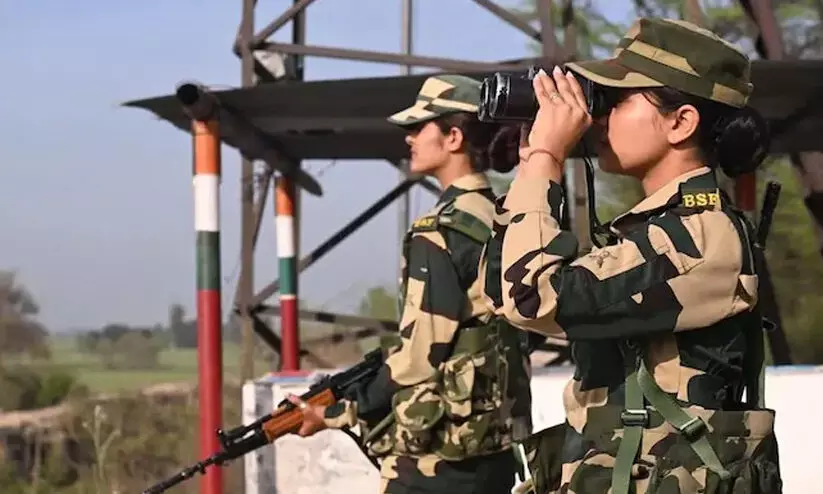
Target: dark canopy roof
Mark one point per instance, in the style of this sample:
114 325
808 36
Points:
345 119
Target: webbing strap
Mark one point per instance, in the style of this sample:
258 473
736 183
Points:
520 456
760 401
635 418
692 428
466 224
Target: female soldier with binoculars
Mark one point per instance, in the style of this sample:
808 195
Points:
663 321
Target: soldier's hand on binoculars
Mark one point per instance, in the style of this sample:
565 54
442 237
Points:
562 117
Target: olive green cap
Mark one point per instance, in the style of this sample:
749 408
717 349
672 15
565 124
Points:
441 95
678 54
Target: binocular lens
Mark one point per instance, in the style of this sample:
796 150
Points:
486 89
510 97
506 97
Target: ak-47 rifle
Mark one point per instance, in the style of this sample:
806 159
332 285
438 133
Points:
285 419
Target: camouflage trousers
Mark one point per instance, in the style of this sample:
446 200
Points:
562 460
492 474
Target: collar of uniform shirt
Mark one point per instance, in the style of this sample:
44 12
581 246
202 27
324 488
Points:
664 194
472 181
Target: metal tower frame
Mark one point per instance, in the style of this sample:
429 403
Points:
247 304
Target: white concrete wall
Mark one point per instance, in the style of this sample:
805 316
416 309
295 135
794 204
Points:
330 461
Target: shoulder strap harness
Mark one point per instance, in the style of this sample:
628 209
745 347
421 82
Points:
446 216
640 383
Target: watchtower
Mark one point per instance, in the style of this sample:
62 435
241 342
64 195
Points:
280 119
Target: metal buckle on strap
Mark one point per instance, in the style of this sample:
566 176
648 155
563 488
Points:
634 418
693 429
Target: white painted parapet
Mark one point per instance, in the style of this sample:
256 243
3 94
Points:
330 462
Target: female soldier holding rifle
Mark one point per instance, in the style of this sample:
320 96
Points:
454 393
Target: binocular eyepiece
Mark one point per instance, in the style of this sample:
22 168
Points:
510 97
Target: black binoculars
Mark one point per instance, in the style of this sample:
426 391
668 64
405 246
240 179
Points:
510 97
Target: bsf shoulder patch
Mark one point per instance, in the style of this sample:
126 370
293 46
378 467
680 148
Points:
699 198
425 224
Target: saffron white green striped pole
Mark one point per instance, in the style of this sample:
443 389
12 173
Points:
285 192
206 184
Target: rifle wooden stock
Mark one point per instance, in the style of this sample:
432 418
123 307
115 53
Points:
287 420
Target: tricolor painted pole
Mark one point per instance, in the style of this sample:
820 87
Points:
209 313
284 211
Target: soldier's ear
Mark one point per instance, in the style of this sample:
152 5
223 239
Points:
453 141
682 124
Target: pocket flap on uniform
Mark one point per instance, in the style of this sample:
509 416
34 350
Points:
418 408
458 379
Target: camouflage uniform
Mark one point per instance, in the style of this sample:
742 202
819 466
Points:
455 387
663 322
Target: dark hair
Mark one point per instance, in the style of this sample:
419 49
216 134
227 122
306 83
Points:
734 139
489 145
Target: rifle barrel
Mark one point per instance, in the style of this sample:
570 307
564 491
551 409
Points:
185 474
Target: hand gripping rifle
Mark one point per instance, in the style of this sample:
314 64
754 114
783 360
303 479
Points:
285 419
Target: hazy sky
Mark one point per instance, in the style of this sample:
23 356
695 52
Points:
96 200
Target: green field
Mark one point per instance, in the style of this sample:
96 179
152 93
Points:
175 365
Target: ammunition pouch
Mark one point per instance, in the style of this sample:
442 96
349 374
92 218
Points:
743 442
460 412
697 449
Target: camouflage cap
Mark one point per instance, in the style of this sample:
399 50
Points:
678 54
441 95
